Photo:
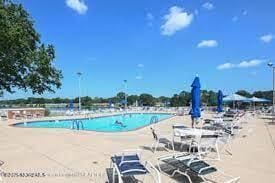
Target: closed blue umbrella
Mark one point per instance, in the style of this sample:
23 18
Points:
196 95
220 101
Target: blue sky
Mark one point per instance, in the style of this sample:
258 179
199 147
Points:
157 45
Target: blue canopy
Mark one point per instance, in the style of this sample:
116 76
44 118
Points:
220 101
195 94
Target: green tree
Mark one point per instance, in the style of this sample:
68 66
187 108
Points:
100 100
26 63
120 96
264 94
182 99
185 98
146 99
175 100
164 100
213 98
132 99
86 101
204 97
244 93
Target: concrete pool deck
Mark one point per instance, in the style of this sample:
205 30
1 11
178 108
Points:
59 151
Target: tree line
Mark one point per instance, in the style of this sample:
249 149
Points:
208 97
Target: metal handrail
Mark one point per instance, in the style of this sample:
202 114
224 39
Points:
154 119
76 124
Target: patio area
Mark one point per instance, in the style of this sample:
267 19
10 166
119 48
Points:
61 155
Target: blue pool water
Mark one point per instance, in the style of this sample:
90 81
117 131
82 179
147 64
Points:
102 124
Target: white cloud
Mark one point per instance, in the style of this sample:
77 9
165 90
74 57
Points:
92 59
243 64
150 18
244 13
235 18
267 38
225 66
208 6
176 20
139 77
251 63
140 65
78 5
207 43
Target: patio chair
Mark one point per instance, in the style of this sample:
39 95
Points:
230 125
225 131
189 164
129 164
159 140
205 144
184 140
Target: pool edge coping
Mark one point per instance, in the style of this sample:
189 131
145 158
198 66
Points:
66 129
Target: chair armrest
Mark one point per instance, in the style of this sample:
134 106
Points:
205 168
189 163
234 180
174 155
129 161
155 170
124 152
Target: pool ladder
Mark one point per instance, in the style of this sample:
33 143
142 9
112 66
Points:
154 119
77 125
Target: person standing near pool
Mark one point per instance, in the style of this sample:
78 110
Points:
195 111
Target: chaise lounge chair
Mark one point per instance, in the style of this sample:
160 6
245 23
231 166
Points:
186 164
129 164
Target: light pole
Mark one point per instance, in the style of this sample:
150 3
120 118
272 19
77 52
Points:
271 65
79 74
125 85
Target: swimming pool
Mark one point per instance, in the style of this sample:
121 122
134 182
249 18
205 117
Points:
116 123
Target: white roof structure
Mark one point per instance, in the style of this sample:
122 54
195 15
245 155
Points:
255 99
236 97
